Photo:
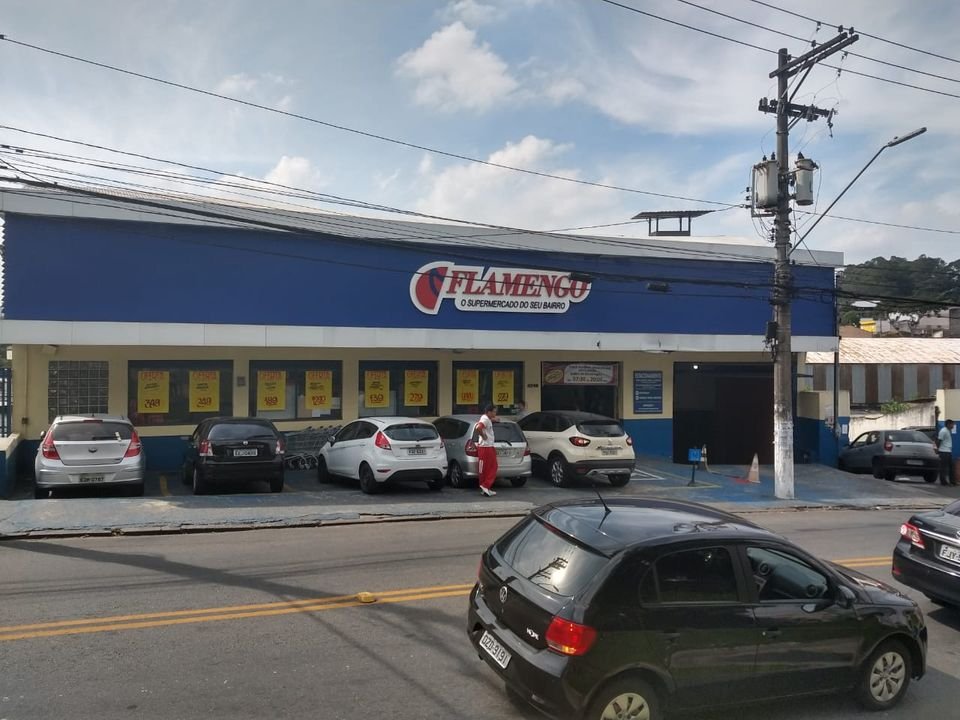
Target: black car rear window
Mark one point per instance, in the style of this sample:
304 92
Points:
600 428
548 559
240 431
91 431
912 436
411 432
508 432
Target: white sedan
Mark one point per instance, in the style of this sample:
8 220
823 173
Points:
377 450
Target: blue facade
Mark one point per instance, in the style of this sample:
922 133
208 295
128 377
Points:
108 270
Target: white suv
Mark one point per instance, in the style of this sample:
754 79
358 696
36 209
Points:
378 450
567 445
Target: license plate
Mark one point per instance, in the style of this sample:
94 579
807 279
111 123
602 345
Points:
246 452
91 478
506 452
609 450
914 462
495 650
948 552
416 451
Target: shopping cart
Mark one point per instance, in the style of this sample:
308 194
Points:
303 446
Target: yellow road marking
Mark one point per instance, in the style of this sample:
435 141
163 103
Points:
164 490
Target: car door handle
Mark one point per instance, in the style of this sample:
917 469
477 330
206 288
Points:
771 633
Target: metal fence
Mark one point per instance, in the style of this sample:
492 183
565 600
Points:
6 390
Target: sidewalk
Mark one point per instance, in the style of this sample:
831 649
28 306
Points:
170 508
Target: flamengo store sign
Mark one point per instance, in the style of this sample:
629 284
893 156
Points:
474 288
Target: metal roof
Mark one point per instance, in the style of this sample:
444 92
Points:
892 351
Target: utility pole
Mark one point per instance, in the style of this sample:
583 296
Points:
782 277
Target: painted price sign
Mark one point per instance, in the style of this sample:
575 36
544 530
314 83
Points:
503 387
415 388
376 388
153 391
204 391
271 390
319 390
468 387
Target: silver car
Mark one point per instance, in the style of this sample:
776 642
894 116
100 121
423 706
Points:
80 450
513 455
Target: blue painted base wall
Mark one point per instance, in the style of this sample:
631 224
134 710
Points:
814 441
651 437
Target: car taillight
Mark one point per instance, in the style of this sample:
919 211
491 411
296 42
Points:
888 446
381 441
281 447
569 638
526 450
470 448
205 449
911 533
48 449
629 441
135 447
579 441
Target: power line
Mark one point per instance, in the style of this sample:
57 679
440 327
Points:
355 131
768 50
805 40
872 37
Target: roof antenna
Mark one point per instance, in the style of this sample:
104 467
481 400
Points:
603 502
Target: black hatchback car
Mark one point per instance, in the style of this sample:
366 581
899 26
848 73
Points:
621 609
231 449
927 556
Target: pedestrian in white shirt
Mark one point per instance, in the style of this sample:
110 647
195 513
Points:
486 451
945 448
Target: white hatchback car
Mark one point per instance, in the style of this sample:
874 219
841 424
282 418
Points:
80 450
570 444
377 450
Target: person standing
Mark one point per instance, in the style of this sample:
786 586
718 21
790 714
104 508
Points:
486 451
945 448
522 411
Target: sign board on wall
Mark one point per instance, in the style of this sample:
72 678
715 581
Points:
271 390
153 391
319 390
647 392
415 388
580 373
204 391
376 388
468 387
503 387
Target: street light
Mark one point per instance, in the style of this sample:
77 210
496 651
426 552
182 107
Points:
892 143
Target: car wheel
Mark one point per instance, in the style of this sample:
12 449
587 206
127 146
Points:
186 476
558 471
619 480
518 482
199 486
842 465
323 474
455 472
930 477
889 475
40 493
884 677
368 484
135 490
877 470
276 484
435 485
626 698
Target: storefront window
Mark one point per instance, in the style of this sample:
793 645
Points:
407 389
175 392
77 387
477 383
296 390
589 386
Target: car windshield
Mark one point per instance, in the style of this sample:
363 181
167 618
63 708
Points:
507 432
548 559
240 431
600 428
411 432
92 430
911 436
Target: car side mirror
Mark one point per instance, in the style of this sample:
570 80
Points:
332 439
43 434
845 597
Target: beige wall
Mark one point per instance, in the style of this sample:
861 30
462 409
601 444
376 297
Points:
30 373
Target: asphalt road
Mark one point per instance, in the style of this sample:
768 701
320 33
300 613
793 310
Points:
266 624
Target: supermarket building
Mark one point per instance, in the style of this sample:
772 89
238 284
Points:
111 305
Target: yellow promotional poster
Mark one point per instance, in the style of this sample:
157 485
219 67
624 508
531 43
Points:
468 387
204 391
415 388
271 390
319 389
153 391
376 384
503 387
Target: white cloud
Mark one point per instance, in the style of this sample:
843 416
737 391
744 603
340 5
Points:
296 172
237 85
473 13
262 88
454 71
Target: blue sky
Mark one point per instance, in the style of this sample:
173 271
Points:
577 88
